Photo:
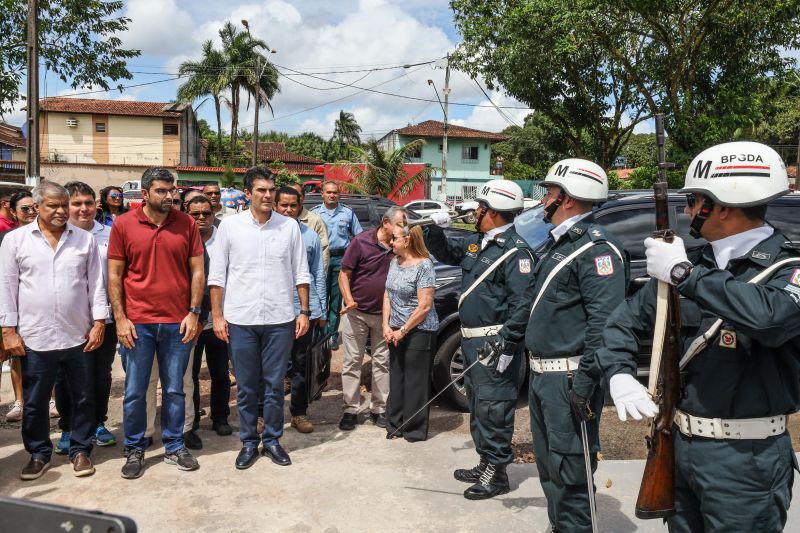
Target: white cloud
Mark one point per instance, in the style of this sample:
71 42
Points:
158 28
17 116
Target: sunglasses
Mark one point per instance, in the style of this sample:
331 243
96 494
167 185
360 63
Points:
206 214
394 238
691 200
27 208
176 201
214 193
115 196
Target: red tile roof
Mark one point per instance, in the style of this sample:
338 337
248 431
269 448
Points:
274 151
113 107
434 128
12 136
305 171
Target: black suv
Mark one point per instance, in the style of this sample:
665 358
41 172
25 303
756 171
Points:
631 218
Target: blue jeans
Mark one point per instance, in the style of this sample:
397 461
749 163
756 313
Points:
39 371
162 341
260 353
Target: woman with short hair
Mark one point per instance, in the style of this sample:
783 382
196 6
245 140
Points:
409 327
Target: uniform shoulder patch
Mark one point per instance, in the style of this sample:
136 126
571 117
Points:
577 230
604 265
525 266
472 248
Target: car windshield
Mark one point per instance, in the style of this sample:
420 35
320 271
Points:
530 225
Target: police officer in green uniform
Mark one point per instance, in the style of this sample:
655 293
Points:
342 225
580 280
493 309
733 456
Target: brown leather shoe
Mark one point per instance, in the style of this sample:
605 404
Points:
82 465
302 424
34 469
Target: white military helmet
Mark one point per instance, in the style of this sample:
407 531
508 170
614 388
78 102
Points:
501 195
738 174
579 178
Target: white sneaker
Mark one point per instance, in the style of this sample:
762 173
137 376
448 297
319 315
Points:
53 411
15 413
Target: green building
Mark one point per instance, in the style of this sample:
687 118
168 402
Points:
468 155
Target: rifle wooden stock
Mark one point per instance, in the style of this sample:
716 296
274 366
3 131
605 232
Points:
657 492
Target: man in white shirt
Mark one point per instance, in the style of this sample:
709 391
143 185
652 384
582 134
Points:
82 211
52 257
259 258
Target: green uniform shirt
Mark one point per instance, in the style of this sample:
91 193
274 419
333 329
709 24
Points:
505 296
751 367
571 314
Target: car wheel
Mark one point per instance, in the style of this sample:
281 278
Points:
447 364
470 217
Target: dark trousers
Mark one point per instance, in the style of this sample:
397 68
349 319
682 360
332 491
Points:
732 485
260 353
492 398
409 384
39 370
103 359
297 371
559 449
334 295
217 363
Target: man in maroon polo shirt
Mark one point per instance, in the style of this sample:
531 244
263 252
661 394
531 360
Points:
155 282
362 282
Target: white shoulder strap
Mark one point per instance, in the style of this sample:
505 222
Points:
700 342
486 274
565 262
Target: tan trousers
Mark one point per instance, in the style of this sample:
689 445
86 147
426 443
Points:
356 328
188 390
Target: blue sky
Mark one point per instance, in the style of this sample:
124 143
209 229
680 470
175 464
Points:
312 37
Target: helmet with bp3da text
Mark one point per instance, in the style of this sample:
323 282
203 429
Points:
738 174
580 179
501 195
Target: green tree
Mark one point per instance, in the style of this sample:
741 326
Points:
536 51
377 172
346 129
244 62
77 42
206 79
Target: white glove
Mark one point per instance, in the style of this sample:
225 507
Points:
631 397
503 361
441 219
663 256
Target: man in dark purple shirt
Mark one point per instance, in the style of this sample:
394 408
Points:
362 282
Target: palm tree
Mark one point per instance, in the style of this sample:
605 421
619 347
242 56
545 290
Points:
383 173
205 79
243 59
346 129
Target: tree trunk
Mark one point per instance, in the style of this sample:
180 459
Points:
219 130
234 120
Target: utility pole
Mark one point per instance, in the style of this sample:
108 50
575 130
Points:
797 167
32 167
446 92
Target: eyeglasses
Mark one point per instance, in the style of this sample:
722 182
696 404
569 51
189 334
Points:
205 214
176 201
27 208
213 193
115 196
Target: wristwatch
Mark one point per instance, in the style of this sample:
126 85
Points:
195 310
403 330
306 312
680 272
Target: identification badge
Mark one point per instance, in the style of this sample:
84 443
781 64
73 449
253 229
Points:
727 338
525 266
794 279
472 248
604 265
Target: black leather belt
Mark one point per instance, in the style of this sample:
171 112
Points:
336 252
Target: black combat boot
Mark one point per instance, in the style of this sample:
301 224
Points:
473 474
493 482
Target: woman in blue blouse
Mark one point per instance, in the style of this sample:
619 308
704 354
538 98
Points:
409 327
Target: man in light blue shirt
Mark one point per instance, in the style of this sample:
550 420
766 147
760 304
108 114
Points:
342 226
288 203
